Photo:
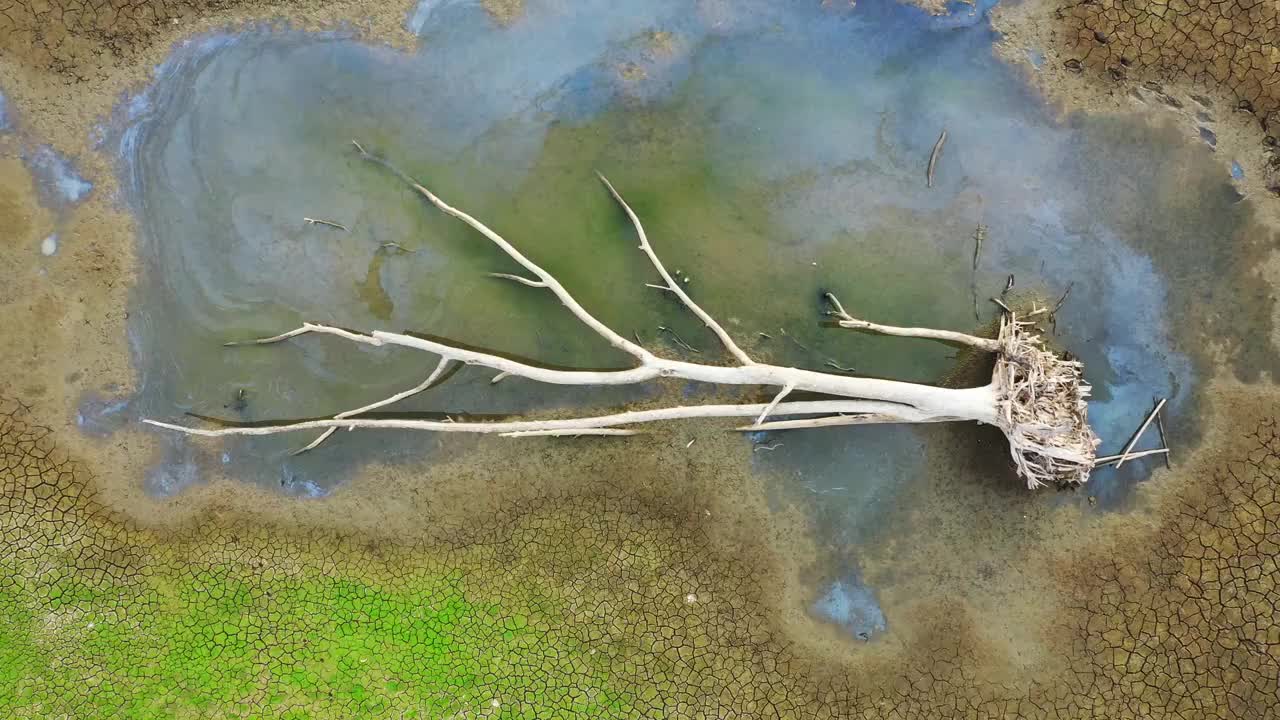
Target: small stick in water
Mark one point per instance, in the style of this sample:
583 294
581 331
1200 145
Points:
1138 435
396 246
1063 299
767 448
793 339
1099 462
1008 285
838 366
330 223
933 156
978 236
678 340
1163 442
1000 302
766 336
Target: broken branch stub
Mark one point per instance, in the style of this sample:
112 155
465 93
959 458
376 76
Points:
1038 399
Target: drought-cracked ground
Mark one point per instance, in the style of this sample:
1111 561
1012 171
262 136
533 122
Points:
612 605
1216 61
1234 45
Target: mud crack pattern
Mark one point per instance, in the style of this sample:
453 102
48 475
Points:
1228 44
578 606
68 37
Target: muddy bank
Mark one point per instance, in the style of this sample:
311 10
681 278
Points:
1212 66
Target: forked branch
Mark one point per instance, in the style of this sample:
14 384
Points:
1035 397
671 284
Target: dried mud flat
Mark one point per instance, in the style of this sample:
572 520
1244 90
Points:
1215 64
669 594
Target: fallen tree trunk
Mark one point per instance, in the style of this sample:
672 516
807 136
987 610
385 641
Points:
1035 397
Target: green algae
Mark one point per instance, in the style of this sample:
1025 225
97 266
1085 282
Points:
562 611
182 638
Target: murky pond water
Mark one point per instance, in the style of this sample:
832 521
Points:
773 151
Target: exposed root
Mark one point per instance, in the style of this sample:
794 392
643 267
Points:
1042 402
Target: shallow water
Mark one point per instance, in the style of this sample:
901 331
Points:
58 183
773 153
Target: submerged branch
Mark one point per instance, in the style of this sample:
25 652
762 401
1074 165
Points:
542 427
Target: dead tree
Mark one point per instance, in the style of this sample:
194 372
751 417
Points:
1037 398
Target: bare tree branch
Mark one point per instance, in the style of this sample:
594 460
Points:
785 391
431 379
672 285
1109 459
1036 397
631 417
841 420
973 403
569 433
268 340
517 278
550 282
1138 435
846 320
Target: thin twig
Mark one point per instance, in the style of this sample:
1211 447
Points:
330 223
1000 302
655 286
672 285
933 156
1163 441
569 433
1008 285
1107 460
766 448
765 335
440 369
785 391
978 236
837 366
690 444
1063 299
397 246
793 339
1138 435
831 421
316 443
268 340
678 340
517 278
845 320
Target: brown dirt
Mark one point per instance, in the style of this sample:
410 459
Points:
1167 614
1209 62
504 12
84 42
